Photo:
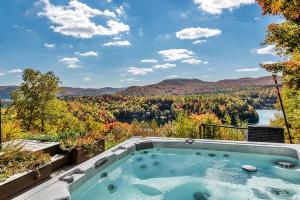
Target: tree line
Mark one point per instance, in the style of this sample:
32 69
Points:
35 109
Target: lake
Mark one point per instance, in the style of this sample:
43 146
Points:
265 116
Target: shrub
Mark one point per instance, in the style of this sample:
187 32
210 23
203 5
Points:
11 127
210 122
184 126
11 131
14 160
76 141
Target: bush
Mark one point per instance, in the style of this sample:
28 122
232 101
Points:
11 131
14 160
71 140
76 141
208 119
183 126
11 127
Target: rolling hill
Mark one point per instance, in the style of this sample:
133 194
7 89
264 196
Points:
6 90
70 91
165 87
66 91
195 86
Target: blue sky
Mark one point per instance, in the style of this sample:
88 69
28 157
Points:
97 43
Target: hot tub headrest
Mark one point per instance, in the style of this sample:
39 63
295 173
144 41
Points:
143 145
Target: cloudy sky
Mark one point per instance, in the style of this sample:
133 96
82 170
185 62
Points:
97 43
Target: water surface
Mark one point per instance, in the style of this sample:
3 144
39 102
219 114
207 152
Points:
265 116
184 174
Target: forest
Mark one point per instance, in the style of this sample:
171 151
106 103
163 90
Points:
163 109
37 113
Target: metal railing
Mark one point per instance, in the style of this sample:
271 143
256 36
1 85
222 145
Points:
222 132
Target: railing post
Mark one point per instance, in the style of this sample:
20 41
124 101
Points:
200 131
282 107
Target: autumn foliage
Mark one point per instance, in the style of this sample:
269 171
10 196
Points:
286 38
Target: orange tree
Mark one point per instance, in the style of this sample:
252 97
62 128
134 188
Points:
286 38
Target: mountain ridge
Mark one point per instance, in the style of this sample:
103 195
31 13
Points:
5 91
195 86
178 86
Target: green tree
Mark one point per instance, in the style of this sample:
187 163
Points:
184 126
286 38
31 100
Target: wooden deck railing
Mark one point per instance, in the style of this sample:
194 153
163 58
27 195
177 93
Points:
222 132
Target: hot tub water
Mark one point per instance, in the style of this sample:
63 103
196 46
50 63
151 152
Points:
184 174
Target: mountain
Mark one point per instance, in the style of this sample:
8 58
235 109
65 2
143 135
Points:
69 91
196 86
66 91
165 87
6 90
247 81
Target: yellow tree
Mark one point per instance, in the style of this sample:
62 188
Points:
286 38
31 100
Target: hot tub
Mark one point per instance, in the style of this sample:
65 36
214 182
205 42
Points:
181 169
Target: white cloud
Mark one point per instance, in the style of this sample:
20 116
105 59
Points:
149 61
268 50
176 54
205 76
120 10
70 62
89 53
75 20
217 6
164 66
199 41
192 61
268 62
87 78
2 74
129 80
172 76
247 69
15 71
196 33
116 38
205 62
118 43
48 45
139 70
143 70
122 74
